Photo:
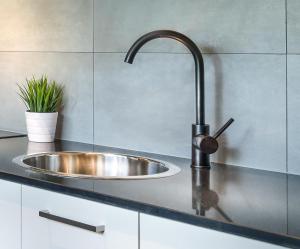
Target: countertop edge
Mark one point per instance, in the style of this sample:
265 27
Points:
247 232
13 136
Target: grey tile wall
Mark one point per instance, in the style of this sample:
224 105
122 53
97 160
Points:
293 113
146 106
150 105
293 26
226 26
38 25
74 70
251 89
293 86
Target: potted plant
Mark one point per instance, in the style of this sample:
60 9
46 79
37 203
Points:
42 99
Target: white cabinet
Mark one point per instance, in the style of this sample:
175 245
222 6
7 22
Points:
32 218
160 233
10 215
121 225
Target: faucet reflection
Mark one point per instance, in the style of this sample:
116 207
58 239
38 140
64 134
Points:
205 198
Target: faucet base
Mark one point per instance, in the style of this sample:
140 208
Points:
199 159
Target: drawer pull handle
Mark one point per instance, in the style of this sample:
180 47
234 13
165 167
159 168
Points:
47 215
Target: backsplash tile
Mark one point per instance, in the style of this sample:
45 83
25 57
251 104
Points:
217 26
293 26
39 25
293 91
144 106
149 105
74 70
251 89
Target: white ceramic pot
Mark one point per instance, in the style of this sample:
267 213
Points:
34 148
41 126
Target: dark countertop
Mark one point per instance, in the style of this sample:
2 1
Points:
9 134
252 203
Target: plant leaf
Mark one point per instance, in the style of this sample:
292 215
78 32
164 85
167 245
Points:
41 95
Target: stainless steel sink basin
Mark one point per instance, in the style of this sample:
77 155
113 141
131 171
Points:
96 165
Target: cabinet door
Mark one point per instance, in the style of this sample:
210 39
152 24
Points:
10 215
121 225
160 233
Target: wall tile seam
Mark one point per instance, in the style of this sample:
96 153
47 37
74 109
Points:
54 52
286 87
286 113
204 53
93 105
173 53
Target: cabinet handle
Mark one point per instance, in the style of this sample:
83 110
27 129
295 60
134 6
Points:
96 229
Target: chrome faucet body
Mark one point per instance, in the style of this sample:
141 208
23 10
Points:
202 144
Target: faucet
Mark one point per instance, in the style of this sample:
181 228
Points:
202 143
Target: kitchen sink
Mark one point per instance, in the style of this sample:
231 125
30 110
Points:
96 165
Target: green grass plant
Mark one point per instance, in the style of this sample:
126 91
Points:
41 95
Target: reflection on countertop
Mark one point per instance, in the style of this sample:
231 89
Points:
9 134
253 203
204 198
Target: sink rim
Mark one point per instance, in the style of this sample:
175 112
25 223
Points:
172 168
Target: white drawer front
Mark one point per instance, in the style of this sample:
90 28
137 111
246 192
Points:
160 233
10 215
121 225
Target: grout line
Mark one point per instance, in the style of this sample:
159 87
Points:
286 21
286 88
286 119
21 188
46 51
145 52
93 132
139 230
287 203
205 53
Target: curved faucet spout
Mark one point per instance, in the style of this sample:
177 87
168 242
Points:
199 65
202 143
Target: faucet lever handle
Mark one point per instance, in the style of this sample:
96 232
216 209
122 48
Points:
209 144
223 128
